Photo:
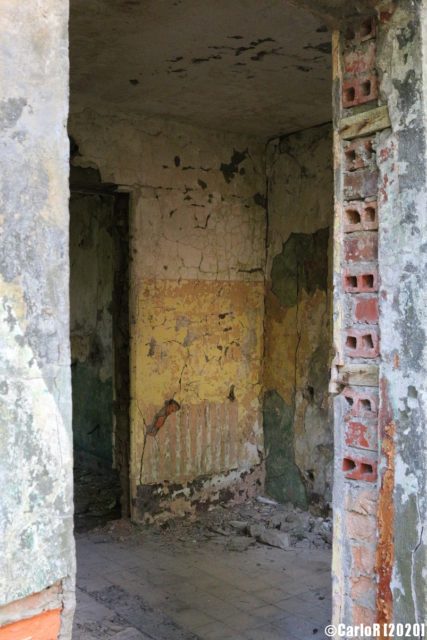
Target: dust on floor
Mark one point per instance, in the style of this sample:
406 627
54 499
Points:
214 578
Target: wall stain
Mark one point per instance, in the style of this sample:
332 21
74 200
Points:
283 478
230 170
302 265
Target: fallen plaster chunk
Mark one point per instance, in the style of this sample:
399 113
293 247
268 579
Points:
240 543
239 525
264 500
272 537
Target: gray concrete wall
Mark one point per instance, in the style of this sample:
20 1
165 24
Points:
403 298
35 419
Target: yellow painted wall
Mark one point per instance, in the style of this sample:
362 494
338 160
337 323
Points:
200 343
197 293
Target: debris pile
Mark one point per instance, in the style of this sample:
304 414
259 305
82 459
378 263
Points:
96 496
260 520
237 527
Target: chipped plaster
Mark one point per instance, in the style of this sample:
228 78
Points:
297 333
197 291
36 472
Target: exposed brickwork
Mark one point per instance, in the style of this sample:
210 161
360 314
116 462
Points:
363 615
363 559
359 468
360 83
366 310
44 626
358 154
360 216
361 343
363 590
359 439
362 435
361 246
360 184
358 91
361 403
366 282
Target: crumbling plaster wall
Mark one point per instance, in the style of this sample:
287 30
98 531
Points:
297 425
401 60
197 303
37 549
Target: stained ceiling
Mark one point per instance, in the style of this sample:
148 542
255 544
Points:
260 67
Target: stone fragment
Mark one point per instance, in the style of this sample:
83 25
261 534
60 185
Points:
272 537
264 500
221 532
275 538
239 525
255 530
239 543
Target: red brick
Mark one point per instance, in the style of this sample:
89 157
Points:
359 468
361 247
360 184
361 344
44 626
363 589
360 215
361 528
363 615
362 435
360 404
361 32
359 90
360 282
363 559
360 60
358 154
366 310
362 501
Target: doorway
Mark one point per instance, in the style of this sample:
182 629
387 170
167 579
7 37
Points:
99 331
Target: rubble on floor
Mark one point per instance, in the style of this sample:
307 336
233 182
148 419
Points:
188 580
96 496
236 527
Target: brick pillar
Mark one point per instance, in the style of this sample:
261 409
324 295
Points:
358 118
380 317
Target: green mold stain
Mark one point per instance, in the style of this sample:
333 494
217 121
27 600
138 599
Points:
92 412
283 479
301 265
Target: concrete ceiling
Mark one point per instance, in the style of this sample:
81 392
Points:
260 67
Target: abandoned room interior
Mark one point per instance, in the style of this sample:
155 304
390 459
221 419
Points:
213 319
200 217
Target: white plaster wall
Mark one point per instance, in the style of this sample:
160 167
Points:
190 221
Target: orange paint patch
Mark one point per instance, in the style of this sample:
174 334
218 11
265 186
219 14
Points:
45 626
385 549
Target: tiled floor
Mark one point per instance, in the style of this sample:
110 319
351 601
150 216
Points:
145 588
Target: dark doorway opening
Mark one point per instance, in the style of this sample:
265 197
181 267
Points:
99 330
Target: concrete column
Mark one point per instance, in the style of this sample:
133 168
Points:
401 152
36 541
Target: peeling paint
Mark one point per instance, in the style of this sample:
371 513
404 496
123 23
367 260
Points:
197 298
296 326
